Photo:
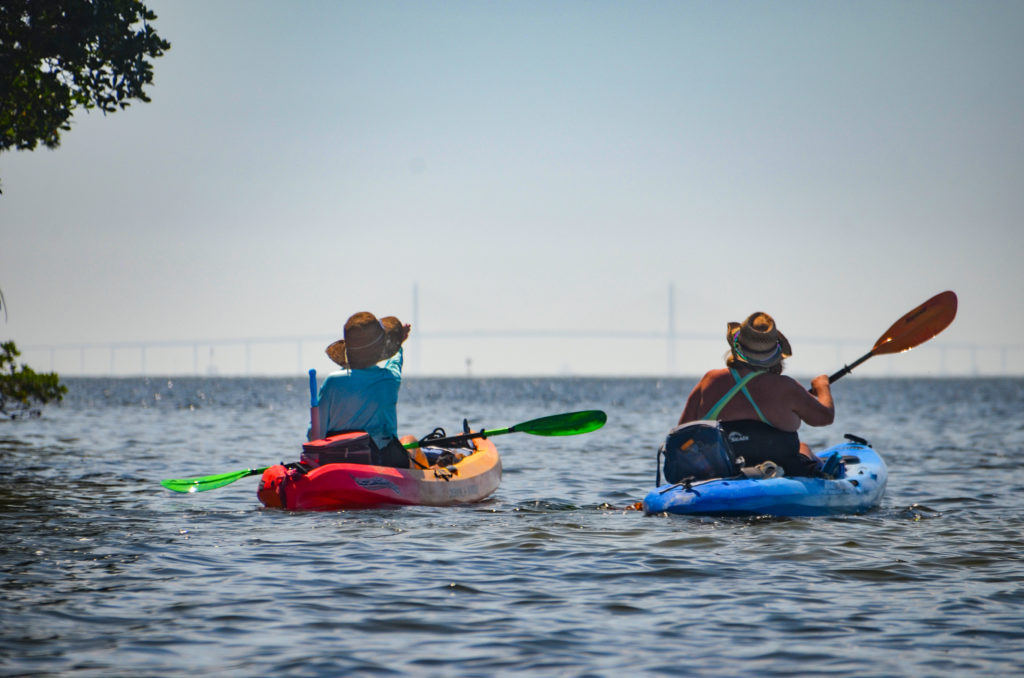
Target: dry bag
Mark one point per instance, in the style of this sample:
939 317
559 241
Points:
697 450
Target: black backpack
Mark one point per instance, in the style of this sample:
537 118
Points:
697 450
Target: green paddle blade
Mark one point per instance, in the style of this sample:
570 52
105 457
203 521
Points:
568 424
209 482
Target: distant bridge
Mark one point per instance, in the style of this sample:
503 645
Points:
497 352
282 355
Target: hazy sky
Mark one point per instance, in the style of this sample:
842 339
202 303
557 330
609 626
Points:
536 166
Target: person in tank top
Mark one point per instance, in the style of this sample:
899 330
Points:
760 409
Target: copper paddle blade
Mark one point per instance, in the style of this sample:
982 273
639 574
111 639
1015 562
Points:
919 325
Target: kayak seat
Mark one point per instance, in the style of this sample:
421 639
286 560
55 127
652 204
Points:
348 447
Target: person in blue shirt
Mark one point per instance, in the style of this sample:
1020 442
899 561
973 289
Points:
363 396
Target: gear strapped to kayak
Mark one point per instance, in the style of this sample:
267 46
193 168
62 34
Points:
697 450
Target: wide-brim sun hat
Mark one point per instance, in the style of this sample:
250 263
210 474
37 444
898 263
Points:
367 341
757 341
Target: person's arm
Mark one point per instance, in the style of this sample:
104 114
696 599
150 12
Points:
815 408
692 410
394 364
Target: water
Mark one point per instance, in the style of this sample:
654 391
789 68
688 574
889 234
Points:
104 573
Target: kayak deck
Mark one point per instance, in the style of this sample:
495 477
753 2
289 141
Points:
360 486
858 488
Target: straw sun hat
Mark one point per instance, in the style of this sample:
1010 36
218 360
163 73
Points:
367 341
756 341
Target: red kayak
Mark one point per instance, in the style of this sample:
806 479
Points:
355 486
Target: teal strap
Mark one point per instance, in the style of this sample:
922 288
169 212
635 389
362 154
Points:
740 384
736 376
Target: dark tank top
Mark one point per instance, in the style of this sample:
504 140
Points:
758 442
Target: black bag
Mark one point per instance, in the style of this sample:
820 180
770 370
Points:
697 450
352 447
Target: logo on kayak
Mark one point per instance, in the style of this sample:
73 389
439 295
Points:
376 483
737 437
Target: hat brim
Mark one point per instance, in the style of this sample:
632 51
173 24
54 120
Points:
339 353
787 350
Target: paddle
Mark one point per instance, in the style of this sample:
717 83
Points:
568 424
209 482
913 329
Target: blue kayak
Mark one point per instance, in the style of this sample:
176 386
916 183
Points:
858 486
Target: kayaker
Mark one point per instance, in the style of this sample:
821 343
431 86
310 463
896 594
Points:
363 396
761 418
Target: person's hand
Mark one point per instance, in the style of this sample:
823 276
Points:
820 384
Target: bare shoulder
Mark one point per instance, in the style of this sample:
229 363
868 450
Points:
781 383
714 375
791 382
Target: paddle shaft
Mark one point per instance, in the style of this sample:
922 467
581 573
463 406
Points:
570 423
452 441
849 368
314 408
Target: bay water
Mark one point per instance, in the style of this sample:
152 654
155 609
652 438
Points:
105 573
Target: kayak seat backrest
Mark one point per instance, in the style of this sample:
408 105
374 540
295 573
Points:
350 447
697 450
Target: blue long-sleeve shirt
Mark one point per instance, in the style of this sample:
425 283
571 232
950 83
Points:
364 400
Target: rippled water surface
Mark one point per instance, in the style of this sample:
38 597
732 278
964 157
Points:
105 573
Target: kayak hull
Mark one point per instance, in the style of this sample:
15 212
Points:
362 486
860 487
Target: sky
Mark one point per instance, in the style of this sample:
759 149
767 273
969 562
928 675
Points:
535 184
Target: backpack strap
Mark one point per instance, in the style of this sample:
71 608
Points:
736 376
739 385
